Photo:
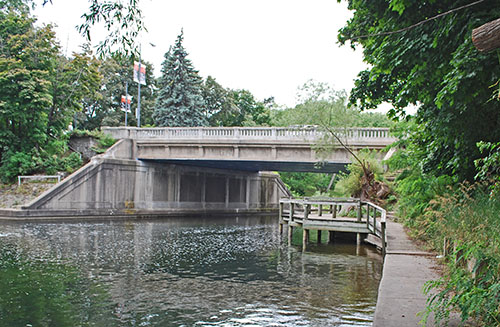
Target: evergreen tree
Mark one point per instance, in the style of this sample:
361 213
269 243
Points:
179 101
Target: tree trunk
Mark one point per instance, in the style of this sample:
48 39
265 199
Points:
487 37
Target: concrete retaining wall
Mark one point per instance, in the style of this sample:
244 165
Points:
115 185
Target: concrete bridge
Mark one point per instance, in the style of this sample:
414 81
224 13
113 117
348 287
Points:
249 148
191 171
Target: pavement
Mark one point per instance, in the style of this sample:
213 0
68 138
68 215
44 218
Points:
406 269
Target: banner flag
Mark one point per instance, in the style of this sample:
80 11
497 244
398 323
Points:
139 77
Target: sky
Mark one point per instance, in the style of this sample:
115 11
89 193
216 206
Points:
269 47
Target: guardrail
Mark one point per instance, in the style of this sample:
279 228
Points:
247 133
326 214
38 177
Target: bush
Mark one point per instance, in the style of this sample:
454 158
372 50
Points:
306 184
350 184
469 218
15 164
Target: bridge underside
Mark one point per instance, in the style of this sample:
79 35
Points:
255 165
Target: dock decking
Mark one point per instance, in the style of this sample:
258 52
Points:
332 215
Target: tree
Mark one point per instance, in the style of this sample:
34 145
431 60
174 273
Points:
76 92
27 57
433 65
250 112
179 101
219 105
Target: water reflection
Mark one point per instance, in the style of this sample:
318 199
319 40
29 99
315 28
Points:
181 272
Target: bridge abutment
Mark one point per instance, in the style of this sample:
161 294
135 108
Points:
113 184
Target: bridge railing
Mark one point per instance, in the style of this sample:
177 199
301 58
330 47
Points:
365 135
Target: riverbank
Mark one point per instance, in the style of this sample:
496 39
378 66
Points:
401 301
13 196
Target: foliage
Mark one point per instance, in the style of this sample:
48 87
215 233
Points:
319 104
103 108
76 86
179 101
219 105
27 57
436 209
469 218
415 189
306 184
434 66
489 166
15 164
250 112
122 19
350 184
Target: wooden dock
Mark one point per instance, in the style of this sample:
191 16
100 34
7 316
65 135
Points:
333 215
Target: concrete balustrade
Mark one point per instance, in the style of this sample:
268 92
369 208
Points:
250 148
358 136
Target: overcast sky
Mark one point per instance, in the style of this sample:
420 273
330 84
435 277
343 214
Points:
269 47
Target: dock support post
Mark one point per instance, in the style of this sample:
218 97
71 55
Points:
305 238
319 236
358 238
281 217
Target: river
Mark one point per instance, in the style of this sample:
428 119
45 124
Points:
231 271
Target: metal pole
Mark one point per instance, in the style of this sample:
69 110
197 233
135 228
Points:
127 105
138 114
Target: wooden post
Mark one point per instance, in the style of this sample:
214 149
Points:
367 216
292 211
281 217
320 210
305 238
331 209
290 234
319 236
359 211
383 237
307 208
358 238
374 219
334 212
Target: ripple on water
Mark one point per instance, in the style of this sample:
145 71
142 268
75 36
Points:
207 272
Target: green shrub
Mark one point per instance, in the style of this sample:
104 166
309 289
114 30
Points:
349 184
469 218
306 184
15 164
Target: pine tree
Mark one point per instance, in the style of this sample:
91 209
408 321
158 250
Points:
179 101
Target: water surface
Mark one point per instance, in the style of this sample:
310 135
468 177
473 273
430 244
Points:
180 272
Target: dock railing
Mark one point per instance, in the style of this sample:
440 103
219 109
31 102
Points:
334 214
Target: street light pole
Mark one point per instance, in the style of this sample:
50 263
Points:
138 114
127 105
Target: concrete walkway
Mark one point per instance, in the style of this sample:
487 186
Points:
406 269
